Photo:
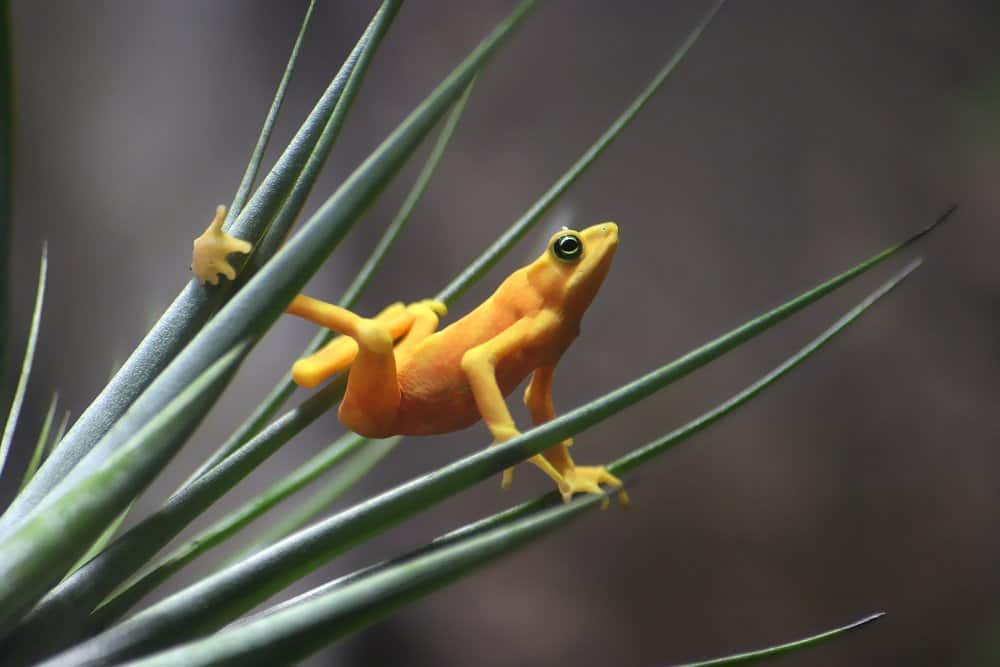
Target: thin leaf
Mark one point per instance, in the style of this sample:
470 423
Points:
256 307
42 442
102 541
60 432
499 248
29 356
782 649
294 633
69 604
630 461
403 215
188 313
250 175
220 598
39 552
294 199
356 468
286 386
140 586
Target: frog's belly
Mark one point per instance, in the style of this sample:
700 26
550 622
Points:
441 401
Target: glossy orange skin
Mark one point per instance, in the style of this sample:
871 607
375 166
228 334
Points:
435 392
436 396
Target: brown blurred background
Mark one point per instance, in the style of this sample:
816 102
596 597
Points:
798 138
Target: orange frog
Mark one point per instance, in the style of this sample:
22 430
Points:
441 381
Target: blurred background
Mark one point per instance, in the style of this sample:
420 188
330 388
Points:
797 139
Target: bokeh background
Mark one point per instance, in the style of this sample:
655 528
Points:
798 138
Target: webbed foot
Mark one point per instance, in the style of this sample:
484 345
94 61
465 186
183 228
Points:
212 249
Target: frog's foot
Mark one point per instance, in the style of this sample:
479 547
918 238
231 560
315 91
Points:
212 249
439 307
588 479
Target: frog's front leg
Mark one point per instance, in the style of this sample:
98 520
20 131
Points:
579 479
479 364
210 255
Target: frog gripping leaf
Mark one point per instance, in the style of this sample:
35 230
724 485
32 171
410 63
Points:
210 256
433 382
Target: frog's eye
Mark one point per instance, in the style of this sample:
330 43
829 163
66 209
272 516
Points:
567 248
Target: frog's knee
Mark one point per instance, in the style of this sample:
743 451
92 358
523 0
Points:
373 337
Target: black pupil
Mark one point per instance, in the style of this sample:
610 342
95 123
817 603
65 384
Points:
567 247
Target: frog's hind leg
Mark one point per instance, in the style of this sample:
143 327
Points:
339 353
426 316
371 402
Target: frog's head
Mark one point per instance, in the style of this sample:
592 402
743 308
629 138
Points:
576 262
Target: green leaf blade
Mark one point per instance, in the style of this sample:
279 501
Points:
790 647
292 181
295 632
189 312
41 551
360 463
43 440
69 604
29 356
257 156
220 531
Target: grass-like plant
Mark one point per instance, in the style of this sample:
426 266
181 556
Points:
70 584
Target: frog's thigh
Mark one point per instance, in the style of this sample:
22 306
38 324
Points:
371 400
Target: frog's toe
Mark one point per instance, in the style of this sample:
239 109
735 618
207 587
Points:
588 479
439 307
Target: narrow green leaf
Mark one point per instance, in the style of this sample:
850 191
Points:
42 442
69 604
353 470
782 649
403 215
29 356
6 180
253 167
256 307
499 248
140 586
286 386
102 541
216 600
630 461
296 632
60 432
190 310
39 552
294 199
